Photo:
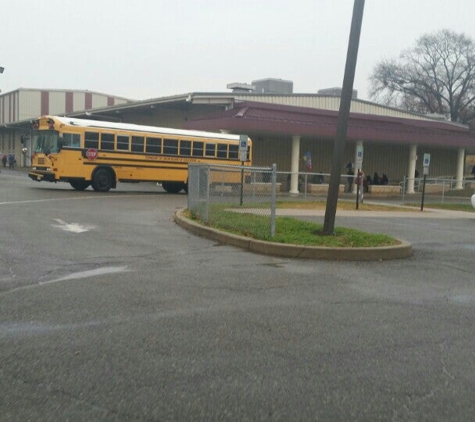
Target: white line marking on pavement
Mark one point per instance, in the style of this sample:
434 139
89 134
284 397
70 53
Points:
74 276
31 201
71 227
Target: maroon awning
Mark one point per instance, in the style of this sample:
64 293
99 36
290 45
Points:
248 117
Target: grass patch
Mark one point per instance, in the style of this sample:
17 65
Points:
291 231
445 206
341 205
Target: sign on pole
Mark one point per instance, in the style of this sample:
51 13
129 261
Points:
243 144
425 171
426 164
359 156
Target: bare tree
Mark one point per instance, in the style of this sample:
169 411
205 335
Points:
435 76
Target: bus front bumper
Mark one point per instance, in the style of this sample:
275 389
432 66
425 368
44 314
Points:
40 175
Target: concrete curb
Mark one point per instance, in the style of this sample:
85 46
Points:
402 250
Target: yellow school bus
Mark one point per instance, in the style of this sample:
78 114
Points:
99 154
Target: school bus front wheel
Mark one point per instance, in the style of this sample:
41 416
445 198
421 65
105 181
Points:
103 180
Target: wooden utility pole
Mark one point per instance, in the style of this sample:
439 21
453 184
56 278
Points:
345 104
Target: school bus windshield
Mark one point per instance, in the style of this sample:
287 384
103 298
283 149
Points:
45 141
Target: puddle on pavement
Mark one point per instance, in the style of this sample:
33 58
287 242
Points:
463 299
468 246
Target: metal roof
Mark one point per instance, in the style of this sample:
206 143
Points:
289 120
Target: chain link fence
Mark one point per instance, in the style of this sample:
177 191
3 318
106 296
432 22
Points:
242 198
438 189
234 198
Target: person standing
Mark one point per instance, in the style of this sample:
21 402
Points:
351 175
4 160
11 160
376 179
360 184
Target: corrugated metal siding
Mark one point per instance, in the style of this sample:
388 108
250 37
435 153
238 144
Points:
329 103
161 118
30 104
57 102
9 107
99 101
118 101
79 101
443 162
266 151
393 160
25 104
168 117
321 151
3 100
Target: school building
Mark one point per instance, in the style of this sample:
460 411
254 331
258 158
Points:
283 125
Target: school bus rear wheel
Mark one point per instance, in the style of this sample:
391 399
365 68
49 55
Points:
173 187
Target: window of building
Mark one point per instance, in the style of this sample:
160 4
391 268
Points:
107 141
170 146
123 142
91 140
137 143
154 145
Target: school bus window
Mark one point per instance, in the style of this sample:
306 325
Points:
210 150
71 140
197 149
233 152
107 141
154 145
185 148
91 140
222 151
137 143
170 146
123 142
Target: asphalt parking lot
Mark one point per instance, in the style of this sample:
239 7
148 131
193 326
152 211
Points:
109 311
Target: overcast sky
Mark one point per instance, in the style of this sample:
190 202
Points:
143 49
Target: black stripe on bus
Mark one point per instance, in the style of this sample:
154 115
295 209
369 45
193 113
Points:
151 154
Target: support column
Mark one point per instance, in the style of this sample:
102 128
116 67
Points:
294 165
460 168
412 168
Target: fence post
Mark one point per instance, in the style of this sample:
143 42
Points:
222 183
273 200
305 187
403 189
